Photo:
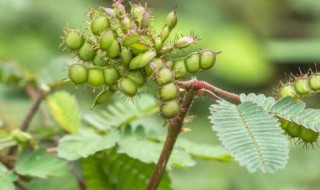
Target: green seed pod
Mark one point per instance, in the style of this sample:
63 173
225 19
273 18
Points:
193 63
169 109
106 40
172 19
119 9
169 64
137 77
207 59
87 52
78 73
168 92
137 12
185 42
164 76
128 87
73 40
111 75
284 123
99 24
126 55
99 60
95 76
139 48
126 24
102 97
154 66
165 33
314 81
158 43
146 19
293 129
130 40
307 135
287 90
302 86
142 60
114 50
179 69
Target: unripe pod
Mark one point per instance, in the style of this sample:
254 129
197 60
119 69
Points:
146 20
119 9
142 60
111 75
137 77
137 12
130 39
102 97
106 40
99 60
193 63
126 24
172 19
293 129
169 109
95 77
284 124
114 49
78 73
126 55
207 59
307 135
99 24
158 43
165 33
302 86
154 66
185 42
179 68
164 76
139 48
128 87
73 40
168 92
287 90
314 81
86 52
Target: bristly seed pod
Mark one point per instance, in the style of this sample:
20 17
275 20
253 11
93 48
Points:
169 109
128 87
193 63
164 76
142 60
307 135
314 81
293 129
168 92
78 73
146 19
119 8
172 19
114 49
126 24
99 60
126 55
137 12
73 40
137 77
207 59
99 24
111 75
302 86
95 76
179 68
106 40
185 42
87 52
165 33
287 90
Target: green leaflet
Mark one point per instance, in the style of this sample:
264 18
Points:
148 152
122 113
7 178
64 110
288 109
73 147
126 173
40 164
246 131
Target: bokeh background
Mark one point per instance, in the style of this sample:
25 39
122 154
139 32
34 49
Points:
262 43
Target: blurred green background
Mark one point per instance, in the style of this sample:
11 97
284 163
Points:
262 42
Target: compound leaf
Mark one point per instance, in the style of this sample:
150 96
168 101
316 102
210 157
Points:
246 131
7 178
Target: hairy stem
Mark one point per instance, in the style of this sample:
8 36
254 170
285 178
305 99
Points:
197 85
174 130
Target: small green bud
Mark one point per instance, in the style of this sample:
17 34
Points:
142 60
128 87
179 68
106 40
99 24
114 49
193 63
102 97
314 81
185 42
168 92
86 52
126 55
169 109
172 19
302 86
78 73
207 59
137 77
99 60
73 40
95 76
111 75
164 76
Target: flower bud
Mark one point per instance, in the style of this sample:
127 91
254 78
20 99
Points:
185 42
172 19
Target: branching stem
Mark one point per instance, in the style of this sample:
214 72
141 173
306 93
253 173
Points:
174 130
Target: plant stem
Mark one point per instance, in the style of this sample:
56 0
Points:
174 130
197 85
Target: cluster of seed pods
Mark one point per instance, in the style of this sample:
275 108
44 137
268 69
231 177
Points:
121 53
297 88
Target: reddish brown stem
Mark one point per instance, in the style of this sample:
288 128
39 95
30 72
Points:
174 130
197 85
